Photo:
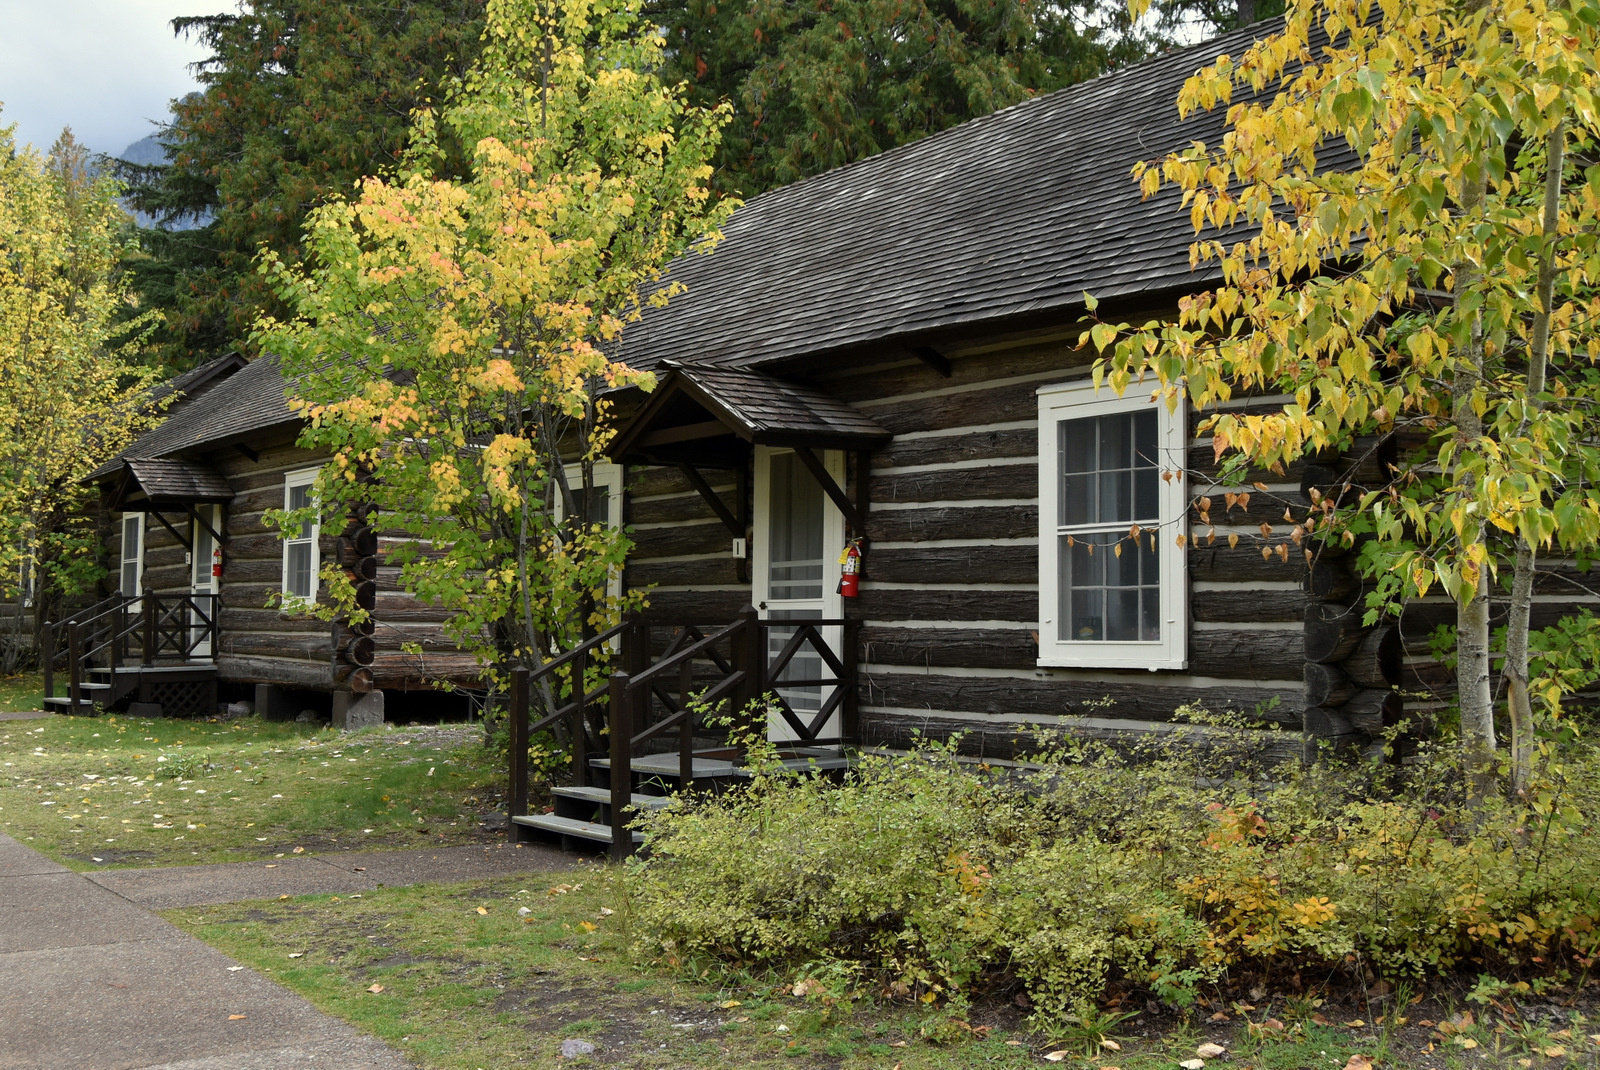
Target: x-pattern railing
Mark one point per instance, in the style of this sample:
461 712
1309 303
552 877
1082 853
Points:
105 635
689 677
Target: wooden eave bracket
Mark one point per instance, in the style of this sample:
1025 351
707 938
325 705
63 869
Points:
853 516
180 539
933 359
718 506
199 518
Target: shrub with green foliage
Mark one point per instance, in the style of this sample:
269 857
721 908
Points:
1156 867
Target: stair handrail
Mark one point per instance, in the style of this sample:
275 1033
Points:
81 646
518 728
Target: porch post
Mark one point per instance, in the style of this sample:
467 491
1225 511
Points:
74 669
850 728
753 659
47 651
621 764
517 728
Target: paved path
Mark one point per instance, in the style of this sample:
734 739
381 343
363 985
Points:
90 980
25 715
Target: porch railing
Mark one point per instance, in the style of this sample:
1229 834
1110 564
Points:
653 695
124 629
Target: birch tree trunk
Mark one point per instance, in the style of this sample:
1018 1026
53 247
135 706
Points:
1516 663
1474 696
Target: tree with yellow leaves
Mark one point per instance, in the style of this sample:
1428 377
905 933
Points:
453 339
70 393
1436 281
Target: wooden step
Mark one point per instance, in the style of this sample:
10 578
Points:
602 797
566 826
63 704
667 765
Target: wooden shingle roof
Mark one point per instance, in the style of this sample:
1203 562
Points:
250 400
1015 213
693 404
164 479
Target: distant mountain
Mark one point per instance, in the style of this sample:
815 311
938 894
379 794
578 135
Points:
147 152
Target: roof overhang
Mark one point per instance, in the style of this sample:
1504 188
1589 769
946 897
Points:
712 416
151 484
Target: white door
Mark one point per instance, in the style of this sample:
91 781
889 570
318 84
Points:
205 559
799 534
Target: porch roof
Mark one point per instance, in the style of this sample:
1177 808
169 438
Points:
701 414
169 481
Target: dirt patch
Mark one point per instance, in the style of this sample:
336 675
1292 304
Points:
113 858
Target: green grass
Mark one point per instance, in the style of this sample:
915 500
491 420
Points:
18 694
471 982
114 791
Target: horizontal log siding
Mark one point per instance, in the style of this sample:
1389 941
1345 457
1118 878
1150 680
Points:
258 644
682 553
950 579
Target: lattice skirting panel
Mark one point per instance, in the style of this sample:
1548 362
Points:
182 698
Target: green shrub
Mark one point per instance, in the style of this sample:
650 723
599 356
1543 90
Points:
1158 866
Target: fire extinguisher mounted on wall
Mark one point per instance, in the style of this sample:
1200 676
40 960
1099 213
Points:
850 569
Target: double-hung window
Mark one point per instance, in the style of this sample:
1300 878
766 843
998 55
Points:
132 558
300 561
1111 508
605 504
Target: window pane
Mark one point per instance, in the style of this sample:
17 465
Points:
300 498
130 577
202 557
1122 615
1146 445
1110 596
299 578
1086 621
1077 446
1151 623
1114 497
1116 441
794 544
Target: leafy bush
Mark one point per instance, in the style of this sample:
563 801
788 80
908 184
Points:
1157 867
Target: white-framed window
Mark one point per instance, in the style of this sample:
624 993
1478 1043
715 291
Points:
131 578
1112 585
300 558
605 506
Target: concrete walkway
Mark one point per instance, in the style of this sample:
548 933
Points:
90 980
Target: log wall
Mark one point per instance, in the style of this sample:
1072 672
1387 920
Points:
260 644
950 591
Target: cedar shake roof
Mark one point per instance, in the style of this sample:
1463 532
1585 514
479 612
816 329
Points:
196 381
768 409
1012 214
250 400
167 480
748 405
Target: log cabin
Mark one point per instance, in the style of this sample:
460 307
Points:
199 601
881 361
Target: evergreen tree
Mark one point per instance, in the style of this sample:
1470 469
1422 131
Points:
819 84
300 99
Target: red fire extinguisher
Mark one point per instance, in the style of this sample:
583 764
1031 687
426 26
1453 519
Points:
850 570
216 561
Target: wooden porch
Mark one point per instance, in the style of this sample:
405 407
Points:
155 648
656 702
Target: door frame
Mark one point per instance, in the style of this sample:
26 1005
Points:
830 606
833 528
213 584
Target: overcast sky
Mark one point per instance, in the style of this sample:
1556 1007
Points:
103 67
